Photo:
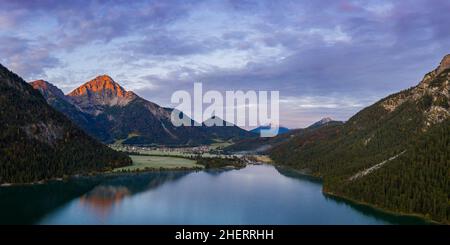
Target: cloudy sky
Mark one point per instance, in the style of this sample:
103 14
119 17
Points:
327 58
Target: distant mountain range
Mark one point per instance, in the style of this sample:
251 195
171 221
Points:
394 154
107 111
38 142
259 144
281 129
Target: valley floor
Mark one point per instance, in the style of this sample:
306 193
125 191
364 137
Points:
146 162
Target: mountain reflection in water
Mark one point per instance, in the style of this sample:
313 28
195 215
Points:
27 204
102 198
256 194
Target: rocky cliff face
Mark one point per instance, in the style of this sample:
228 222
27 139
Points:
433 90
56 98
444 65
102 91
48 90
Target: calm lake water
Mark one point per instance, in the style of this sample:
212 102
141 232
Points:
257 194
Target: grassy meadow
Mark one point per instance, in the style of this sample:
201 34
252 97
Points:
141 162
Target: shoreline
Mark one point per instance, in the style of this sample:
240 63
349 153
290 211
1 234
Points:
113 172
380 209
366 204
231 167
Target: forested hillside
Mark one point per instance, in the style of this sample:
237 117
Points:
37 142
393 154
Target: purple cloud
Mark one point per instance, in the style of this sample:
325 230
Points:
334 49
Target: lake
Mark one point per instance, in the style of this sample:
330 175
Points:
257 194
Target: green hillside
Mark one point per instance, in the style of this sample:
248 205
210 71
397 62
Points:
37 142
393 154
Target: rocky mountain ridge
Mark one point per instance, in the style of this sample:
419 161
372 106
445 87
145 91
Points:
107 111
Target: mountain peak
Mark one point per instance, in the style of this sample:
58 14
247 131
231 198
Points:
431 93
325 120
99 85
98 92
321 122
39 84
444 65
47 89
